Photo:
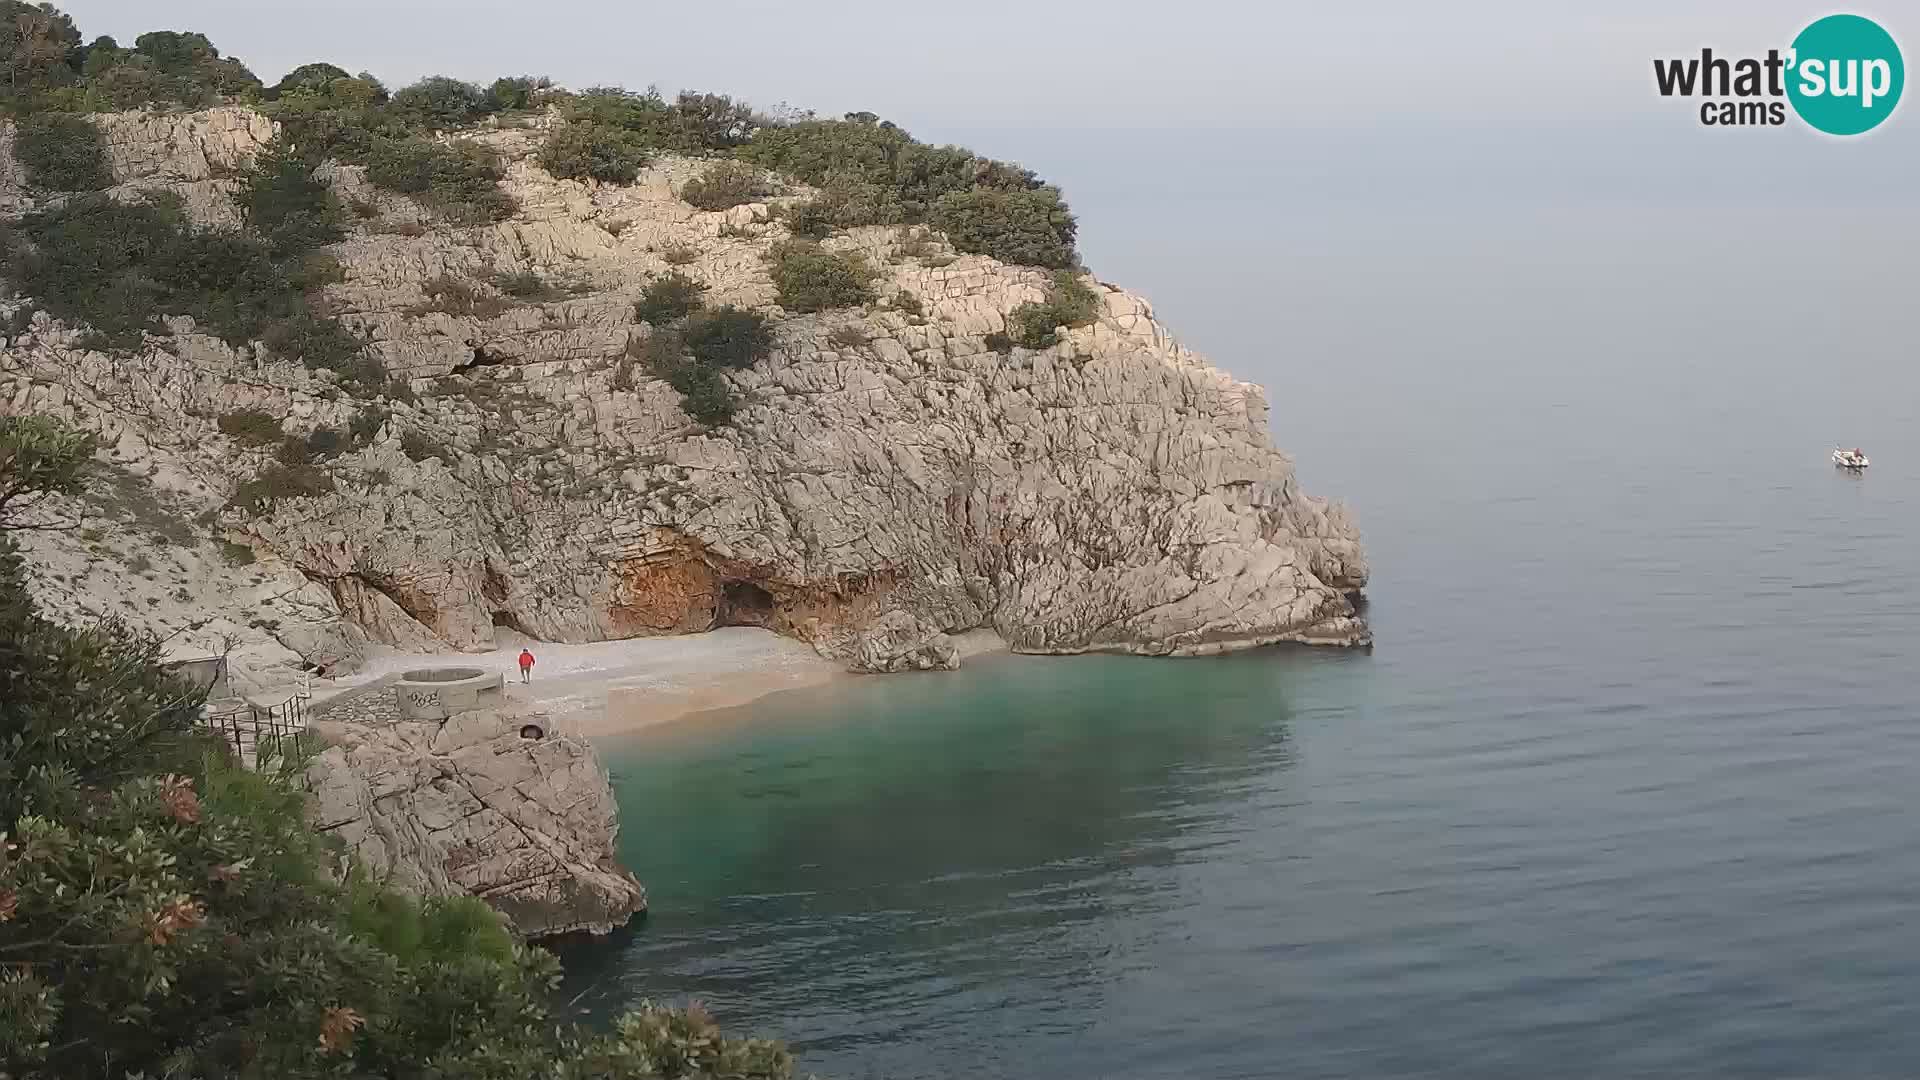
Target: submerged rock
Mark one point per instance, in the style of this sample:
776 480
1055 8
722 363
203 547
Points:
471 804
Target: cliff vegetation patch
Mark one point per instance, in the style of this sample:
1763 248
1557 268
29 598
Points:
62 152
807 277
1069 303
725 185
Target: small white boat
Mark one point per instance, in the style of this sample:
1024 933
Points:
1849 459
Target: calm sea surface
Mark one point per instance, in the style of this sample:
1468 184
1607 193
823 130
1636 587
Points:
1627 787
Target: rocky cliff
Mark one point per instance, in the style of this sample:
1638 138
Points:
468 805
888 480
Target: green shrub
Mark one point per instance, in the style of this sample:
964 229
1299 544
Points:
844 202
815 150
1069 303
251 427
117 268
62 152
705 394
693 123
461 181
293 451
281 482
680 255
163 69
710 122
725 185
515 92
886 175
584 150
456 297
237 554
320 343
286 206
442 102
321 443
308 79
728 336
669 297
529 287
1024 228
809 278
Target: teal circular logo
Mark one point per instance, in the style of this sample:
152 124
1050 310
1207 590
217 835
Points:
1845 75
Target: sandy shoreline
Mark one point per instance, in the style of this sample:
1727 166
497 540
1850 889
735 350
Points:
610 688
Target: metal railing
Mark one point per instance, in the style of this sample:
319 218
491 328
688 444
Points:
251 730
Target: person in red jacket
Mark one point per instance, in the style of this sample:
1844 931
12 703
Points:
526 666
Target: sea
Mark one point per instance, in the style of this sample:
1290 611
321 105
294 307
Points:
1629 784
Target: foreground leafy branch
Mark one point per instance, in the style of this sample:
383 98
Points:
167 913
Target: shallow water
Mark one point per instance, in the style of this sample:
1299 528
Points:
1626 788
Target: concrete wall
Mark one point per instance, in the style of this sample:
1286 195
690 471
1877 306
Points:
438 693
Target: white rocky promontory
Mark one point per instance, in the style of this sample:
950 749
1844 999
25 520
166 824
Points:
889 479
466 805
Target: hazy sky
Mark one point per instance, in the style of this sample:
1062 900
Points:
1319 195
1043 63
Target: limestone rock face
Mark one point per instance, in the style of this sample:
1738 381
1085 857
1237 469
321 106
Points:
893 642
888 479
466 805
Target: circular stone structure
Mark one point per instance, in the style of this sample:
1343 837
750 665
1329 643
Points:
438 693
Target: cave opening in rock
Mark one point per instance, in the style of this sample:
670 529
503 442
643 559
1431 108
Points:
742 603
504 620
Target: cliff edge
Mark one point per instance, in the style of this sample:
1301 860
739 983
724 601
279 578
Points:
893 473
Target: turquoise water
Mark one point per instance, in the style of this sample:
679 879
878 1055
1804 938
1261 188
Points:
1626 788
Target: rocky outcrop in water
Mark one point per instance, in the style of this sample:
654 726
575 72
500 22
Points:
889 480
469 805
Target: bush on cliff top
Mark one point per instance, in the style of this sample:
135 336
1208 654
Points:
692 123
725 185
1025 228
1069 303
583 150
166 912
874 173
